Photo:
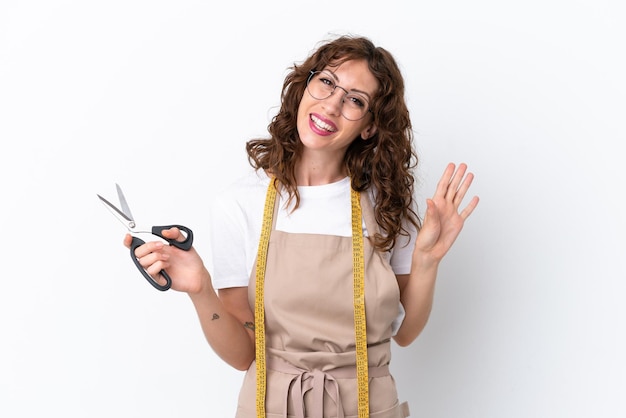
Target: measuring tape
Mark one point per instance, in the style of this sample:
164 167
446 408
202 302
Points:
259 310
360 326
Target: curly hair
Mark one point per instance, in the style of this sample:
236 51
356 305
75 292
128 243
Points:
384 163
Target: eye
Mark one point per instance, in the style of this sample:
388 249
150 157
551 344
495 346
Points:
356 101
326 81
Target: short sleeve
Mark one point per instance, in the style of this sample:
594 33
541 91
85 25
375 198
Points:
235 224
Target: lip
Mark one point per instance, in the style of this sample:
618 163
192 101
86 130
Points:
320 125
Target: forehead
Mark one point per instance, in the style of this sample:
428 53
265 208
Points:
354 74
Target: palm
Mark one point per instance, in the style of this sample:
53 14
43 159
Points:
443 221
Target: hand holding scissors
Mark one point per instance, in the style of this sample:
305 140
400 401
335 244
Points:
126 218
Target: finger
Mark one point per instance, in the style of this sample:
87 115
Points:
432 213
158 277
463 188
155 269
444 181
155 272
465 213
152 259
128 239
148 248
173 233
455 181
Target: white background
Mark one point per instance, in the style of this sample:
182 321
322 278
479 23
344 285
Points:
161 96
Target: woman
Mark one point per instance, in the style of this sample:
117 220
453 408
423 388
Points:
317 261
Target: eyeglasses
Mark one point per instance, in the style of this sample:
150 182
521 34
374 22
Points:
321 85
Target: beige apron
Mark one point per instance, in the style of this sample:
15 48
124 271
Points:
309 327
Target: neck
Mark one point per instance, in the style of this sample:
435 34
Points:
317 173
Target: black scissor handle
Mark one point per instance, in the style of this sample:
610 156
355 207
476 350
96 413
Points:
168 281
183 245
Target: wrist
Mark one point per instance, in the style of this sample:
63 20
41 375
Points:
424 264
203 289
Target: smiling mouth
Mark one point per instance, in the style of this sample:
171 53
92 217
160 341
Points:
322 125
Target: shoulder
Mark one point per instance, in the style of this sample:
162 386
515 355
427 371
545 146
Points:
238 207
243 190
251 182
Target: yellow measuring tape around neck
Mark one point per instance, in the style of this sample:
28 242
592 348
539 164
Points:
259 309
360 325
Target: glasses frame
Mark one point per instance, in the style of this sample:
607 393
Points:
313 72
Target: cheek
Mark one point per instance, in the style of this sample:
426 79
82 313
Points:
302 117
305 104
301 110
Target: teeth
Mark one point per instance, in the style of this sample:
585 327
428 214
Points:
321 124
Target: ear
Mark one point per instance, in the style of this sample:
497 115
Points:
368 132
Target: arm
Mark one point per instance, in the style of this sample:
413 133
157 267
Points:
222 319
228 324
442 224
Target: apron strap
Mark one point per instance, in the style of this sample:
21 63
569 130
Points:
368 215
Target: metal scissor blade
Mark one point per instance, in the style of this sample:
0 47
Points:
125 208
121 215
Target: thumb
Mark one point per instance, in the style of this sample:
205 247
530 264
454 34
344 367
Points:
172 233
431 214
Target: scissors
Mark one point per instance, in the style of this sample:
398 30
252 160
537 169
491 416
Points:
126 218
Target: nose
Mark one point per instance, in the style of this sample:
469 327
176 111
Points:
334 102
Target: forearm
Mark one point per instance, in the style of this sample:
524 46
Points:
225 333
416 295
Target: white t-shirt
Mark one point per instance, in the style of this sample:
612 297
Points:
237 215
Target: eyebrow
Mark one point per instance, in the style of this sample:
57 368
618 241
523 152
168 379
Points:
351 90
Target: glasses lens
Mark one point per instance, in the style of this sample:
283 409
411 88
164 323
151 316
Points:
321 86
355 106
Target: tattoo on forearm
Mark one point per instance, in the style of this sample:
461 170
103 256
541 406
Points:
215 316
249 325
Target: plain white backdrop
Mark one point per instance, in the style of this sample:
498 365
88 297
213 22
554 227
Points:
161 96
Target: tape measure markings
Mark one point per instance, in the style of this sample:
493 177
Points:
360 326
259 309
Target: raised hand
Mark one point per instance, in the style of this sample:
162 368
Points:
443 221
